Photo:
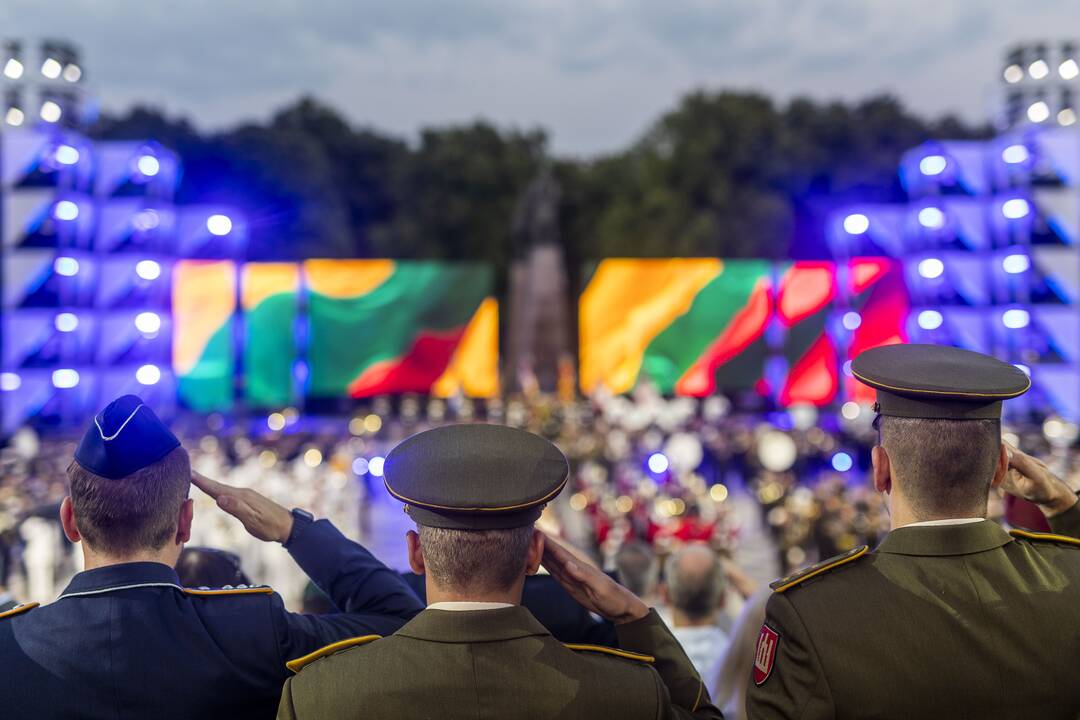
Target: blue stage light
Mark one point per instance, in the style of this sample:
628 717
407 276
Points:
66 322
66 155
931 268
148 269
1015 318
1015 209
148 165
842 462
930 319
1015 154
856 224
933 165
146 220
360 466
658 463
375 466
1015 264
148 375
852 320
66 266
932 217
219 225
66 210
10 381
65 378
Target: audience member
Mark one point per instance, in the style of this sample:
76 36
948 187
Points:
637 569
200 567
693 589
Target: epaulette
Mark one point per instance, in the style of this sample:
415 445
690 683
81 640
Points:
18 610
784 584
301 662
230 590
1044 537
611 651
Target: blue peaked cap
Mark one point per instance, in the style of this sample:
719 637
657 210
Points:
124 438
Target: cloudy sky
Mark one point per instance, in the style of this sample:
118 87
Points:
595 73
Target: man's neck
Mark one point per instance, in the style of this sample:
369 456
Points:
93 560
901 514
436 594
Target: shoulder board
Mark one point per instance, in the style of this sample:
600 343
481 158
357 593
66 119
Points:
18 609
301 662
1044 537
795 578
230 590
611 651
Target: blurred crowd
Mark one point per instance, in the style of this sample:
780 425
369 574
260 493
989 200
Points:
769 492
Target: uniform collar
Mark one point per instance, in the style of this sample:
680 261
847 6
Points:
945 539
473 625
122 575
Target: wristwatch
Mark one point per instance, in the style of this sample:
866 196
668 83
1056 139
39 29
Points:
301 519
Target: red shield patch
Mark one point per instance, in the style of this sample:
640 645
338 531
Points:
765 654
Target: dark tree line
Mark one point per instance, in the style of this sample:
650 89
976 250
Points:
726 174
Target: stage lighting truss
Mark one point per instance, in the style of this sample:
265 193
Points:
1039 81
43 87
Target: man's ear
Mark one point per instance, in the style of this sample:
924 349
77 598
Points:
535 554
183 525
67 519
1002 468
882 469
416 554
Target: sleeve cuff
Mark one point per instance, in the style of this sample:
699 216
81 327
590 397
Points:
1067 523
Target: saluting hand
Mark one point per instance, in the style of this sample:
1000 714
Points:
261 516
1029 478
594 590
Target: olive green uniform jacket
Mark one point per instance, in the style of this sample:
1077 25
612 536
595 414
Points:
499 664
956 621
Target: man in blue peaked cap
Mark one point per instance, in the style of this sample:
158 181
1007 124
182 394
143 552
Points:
125 640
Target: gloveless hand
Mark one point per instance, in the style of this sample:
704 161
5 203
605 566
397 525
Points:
261 516
592 589
1029 478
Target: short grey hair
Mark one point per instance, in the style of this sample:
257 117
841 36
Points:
637 568
475 560
695 588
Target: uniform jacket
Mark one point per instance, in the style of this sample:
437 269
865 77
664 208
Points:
956 621
500 664
126 641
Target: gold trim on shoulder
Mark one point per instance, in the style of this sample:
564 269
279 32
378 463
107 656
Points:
301 662
792 580
203 592
611 651
1044 537
18 609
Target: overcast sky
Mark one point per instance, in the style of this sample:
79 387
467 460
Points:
594 73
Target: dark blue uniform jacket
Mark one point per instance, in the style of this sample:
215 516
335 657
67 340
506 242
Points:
126 641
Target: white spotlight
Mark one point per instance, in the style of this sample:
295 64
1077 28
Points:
72 72
851 320
50 111
1038 69
148 165
856 224
933 165
66 210
65 378
932 217
66 155
219 225
1066 117
1013 74
1015 264
10 381
1015 154
931 268
13 69
148 375
148 269
930 319
66 322
1068 69
145 220
51 68
66 266
147 323
1038 111
1015 318
1015 209
14 117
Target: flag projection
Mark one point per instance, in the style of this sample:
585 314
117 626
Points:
204 301
269 300
703 325
692 326
380 326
